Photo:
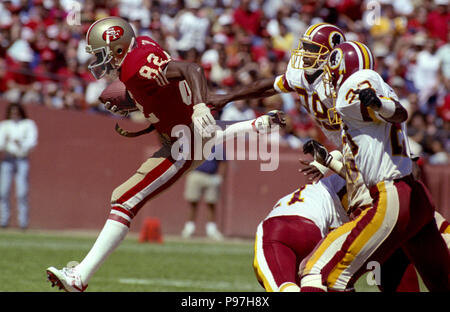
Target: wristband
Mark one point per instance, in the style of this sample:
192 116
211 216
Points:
323 170
387 109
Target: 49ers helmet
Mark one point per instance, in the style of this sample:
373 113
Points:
346 59
315 45
109 39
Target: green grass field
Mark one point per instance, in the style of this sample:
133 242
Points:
177 265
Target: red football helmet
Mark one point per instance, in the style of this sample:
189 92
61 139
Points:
346 59
315 45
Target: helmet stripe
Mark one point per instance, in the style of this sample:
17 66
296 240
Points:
359 54
319 27
92 26
311 28
364 50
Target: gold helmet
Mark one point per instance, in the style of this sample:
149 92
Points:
315 45
109 40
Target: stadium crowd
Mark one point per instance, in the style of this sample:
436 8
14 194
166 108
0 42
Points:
43 62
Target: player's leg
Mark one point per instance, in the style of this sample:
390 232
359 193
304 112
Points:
280 245
399 266
153 177
6 176
22 192
429 253
395 273
340 257
427 248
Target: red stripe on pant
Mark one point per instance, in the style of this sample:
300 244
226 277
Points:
150 178
286 241
354 234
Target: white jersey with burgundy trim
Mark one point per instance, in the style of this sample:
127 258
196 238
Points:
372 147
312 97
319 202
315 101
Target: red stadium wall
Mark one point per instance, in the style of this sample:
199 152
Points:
80 159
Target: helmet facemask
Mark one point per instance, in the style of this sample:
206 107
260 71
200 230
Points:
330 92
309 56
102 64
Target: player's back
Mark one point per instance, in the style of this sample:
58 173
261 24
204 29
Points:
165 103
373 147
318 202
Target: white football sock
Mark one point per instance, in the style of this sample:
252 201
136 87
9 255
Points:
108 240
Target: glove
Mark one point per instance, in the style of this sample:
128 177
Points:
318 151
203 120
369 98
115 110
277 117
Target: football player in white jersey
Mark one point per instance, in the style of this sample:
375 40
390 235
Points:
375 149
293 228
304 75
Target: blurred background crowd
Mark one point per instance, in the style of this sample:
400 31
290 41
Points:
43 62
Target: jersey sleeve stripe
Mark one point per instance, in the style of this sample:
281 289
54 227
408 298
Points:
281 84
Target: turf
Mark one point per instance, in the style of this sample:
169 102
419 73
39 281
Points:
176 265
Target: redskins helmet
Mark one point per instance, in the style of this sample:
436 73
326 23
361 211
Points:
315 45
346 59
109 40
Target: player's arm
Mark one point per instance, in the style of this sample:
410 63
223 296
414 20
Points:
195 77
258 89
323 158
388 108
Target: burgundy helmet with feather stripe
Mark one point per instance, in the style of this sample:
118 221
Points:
346 59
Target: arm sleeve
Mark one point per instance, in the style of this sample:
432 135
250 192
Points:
348 104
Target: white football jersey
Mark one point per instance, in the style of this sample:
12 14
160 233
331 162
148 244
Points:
313 98
372 147
319 202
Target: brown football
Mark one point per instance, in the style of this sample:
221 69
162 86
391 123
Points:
116 93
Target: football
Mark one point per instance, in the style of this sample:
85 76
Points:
117 94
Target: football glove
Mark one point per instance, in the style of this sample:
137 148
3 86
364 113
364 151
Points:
318 151
204 122
369 98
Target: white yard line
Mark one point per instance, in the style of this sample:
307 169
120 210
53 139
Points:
191 283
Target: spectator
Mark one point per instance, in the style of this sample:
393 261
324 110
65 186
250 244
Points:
193 26
43 59
18 136
204 182
248 17
238 110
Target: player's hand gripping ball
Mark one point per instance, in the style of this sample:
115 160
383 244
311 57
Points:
117 100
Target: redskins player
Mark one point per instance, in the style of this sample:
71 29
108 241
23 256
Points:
292 230
168 93
303 75
374 148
